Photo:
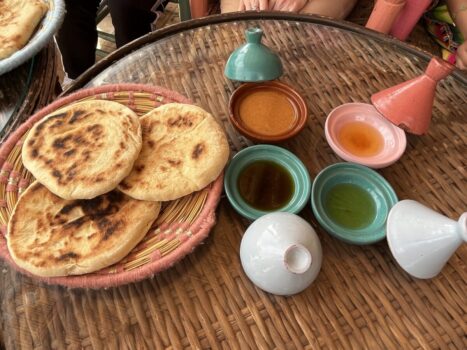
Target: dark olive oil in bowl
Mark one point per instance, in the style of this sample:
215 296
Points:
265 185
350 206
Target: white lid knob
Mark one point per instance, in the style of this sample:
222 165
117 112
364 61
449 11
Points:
297 258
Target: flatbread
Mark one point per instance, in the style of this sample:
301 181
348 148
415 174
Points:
184 149
83 150
49 236
18 20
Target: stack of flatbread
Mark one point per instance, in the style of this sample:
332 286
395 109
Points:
101 174
18 21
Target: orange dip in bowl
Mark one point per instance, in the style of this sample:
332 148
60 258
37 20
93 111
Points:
267 111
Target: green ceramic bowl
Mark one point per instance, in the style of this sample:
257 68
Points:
378 189
281 156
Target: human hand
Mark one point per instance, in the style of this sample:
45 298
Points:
247 5
461 57
287 5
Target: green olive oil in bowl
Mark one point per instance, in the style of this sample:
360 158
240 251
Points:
350 206
352 202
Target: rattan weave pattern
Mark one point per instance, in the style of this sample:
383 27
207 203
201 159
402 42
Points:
361 299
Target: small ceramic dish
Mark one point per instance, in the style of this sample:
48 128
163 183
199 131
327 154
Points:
421 239
358 133
281 253
296 170
267 111
352 202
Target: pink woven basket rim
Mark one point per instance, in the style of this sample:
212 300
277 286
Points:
199 229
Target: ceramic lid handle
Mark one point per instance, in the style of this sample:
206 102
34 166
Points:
297 258
254 35
438 69
463 226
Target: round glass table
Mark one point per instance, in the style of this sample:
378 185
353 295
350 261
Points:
361 299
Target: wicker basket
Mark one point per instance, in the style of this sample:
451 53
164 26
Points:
181 225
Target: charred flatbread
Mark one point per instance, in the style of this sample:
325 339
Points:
83 150
18 20
184 149
49 236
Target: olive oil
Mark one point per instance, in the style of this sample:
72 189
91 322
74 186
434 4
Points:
360 139
265 185
350 206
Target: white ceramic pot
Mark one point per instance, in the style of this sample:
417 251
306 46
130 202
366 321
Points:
281 253
421 239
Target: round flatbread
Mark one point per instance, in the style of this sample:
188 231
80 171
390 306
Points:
184 149
49 236
83 150
18 20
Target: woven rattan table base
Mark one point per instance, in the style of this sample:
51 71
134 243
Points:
361 298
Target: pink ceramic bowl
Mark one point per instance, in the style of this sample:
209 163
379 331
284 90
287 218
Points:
391 139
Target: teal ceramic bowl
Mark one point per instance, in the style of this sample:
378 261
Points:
376 190
278 155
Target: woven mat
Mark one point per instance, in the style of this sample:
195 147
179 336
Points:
361 299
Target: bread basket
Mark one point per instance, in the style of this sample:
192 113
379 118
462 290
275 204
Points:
180 227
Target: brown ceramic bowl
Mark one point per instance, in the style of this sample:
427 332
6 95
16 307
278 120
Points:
297 111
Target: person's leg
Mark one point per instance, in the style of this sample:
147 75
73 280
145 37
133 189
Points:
77 37
229 5
131 19
338 9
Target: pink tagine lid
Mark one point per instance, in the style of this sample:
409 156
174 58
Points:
409 105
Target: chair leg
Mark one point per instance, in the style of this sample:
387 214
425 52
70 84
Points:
185 11
102 11
106 36
199 8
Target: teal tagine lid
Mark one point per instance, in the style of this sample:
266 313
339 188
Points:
253 61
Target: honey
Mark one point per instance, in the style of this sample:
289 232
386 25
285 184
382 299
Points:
265 185
360 139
